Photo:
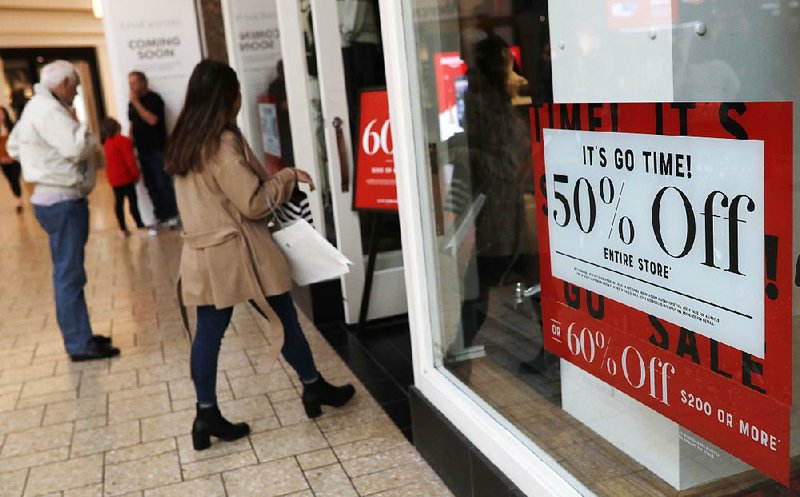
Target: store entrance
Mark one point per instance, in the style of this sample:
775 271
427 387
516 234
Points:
341 47
22 66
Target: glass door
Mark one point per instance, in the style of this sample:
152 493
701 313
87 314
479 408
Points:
322 90
545 116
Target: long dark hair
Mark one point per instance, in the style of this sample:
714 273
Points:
207 112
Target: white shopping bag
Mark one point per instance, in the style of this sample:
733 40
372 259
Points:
311 257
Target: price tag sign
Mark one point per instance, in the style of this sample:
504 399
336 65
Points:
375 183
270 134
665 234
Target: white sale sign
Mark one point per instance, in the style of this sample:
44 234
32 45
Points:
159 38
270 134
671 226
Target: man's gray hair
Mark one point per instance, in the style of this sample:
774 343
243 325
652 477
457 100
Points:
56 72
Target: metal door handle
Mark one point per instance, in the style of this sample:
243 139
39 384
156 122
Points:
341 145
437 192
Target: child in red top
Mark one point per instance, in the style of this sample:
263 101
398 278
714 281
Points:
122 172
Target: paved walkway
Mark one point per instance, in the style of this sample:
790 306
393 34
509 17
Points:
121 427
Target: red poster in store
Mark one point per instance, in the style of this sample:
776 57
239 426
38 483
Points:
666 235
633 14
375 183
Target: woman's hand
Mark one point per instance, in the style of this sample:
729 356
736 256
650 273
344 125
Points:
304 177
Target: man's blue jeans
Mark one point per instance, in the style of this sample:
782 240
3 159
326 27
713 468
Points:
159 185
67 226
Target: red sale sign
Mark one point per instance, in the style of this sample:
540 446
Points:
375 184
666 232
632 14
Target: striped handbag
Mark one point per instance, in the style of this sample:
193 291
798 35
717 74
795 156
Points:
296 208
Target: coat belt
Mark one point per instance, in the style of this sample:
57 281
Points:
218 236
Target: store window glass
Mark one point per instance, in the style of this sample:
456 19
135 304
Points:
256 52
612 197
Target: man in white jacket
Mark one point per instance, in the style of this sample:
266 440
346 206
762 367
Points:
59 155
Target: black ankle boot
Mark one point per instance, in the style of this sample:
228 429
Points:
209 422
322 393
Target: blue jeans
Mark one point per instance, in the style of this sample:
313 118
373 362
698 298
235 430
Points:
211 326
158 185
67 226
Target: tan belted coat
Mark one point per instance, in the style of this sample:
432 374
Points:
228 254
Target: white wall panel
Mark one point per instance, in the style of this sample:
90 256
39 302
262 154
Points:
158 38
254 49
599 58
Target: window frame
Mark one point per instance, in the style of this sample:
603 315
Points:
487 430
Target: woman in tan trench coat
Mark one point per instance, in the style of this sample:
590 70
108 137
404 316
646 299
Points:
224 197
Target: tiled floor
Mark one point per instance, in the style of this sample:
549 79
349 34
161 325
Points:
121 427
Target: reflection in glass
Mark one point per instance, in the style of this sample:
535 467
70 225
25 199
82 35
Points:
481 65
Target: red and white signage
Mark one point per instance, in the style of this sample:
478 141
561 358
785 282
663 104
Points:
270 134
375 183
666 236
450 71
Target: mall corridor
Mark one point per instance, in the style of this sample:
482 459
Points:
121 427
